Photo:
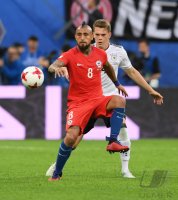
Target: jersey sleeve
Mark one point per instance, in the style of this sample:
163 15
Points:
156 68
125 62
64 57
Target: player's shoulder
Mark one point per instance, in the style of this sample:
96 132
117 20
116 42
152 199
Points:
116 47
72 50
69 55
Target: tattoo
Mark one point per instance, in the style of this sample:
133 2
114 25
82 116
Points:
55 64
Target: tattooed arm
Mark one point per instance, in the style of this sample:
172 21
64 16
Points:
55 65
58 67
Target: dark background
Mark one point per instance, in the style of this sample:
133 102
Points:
154 121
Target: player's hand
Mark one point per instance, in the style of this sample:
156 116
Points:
157 97
61 72
122 90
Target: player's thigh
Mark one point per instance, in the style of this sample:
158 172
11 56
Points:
101 109
78 116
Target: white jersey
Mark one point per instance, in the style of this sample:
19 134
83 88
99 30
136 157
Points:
117 57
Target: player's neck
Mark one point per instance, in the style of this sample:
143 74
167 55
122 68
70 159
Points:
85 51
104 47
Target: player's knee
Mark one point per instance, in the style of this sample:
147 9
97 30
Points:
70 139
118 102
71 136
121 102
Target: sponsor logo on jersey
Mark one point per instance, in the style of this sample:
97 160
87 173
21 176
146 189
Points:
99 64
69 122
79 64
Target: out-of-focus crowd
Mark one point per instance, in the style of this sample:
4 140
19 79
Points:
145 62
18 56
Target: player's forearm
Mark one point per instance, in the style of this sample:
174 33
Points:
54 65
138 78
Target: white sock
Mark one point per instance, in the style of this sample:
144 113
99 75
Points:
125 157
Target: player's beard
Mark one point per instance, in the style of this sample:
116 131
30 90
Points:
83 47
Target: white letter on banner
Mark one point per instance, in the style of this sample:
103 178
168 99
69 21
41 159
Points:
136 17
53 113
157 14
10 127
176 27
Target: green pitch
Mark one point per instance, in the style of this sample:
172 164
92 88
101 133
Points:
91 173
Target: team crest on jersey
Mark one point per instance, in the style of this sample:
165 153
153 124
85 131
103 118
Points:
99 64
113 56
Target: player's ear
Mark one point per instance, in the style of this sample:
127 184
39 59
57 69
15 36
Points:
110 34
92 36
75 36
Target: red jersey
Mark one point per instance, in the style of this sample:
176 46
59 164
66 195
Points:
84 73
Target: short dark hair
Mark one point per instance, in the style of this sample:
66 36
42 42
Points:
33 37
84 24
102 23
18 44
12 46
145 40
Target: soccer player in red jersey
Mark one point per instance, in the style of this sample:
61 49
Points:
85 97
158 99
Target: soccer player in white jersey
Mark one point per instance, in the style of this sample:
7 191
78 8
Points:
117 56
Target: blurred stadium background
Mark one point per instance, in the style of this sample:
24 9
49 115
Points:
53 23
40 113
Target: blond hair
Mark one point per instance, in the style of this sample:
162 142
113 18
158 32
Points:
102 23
